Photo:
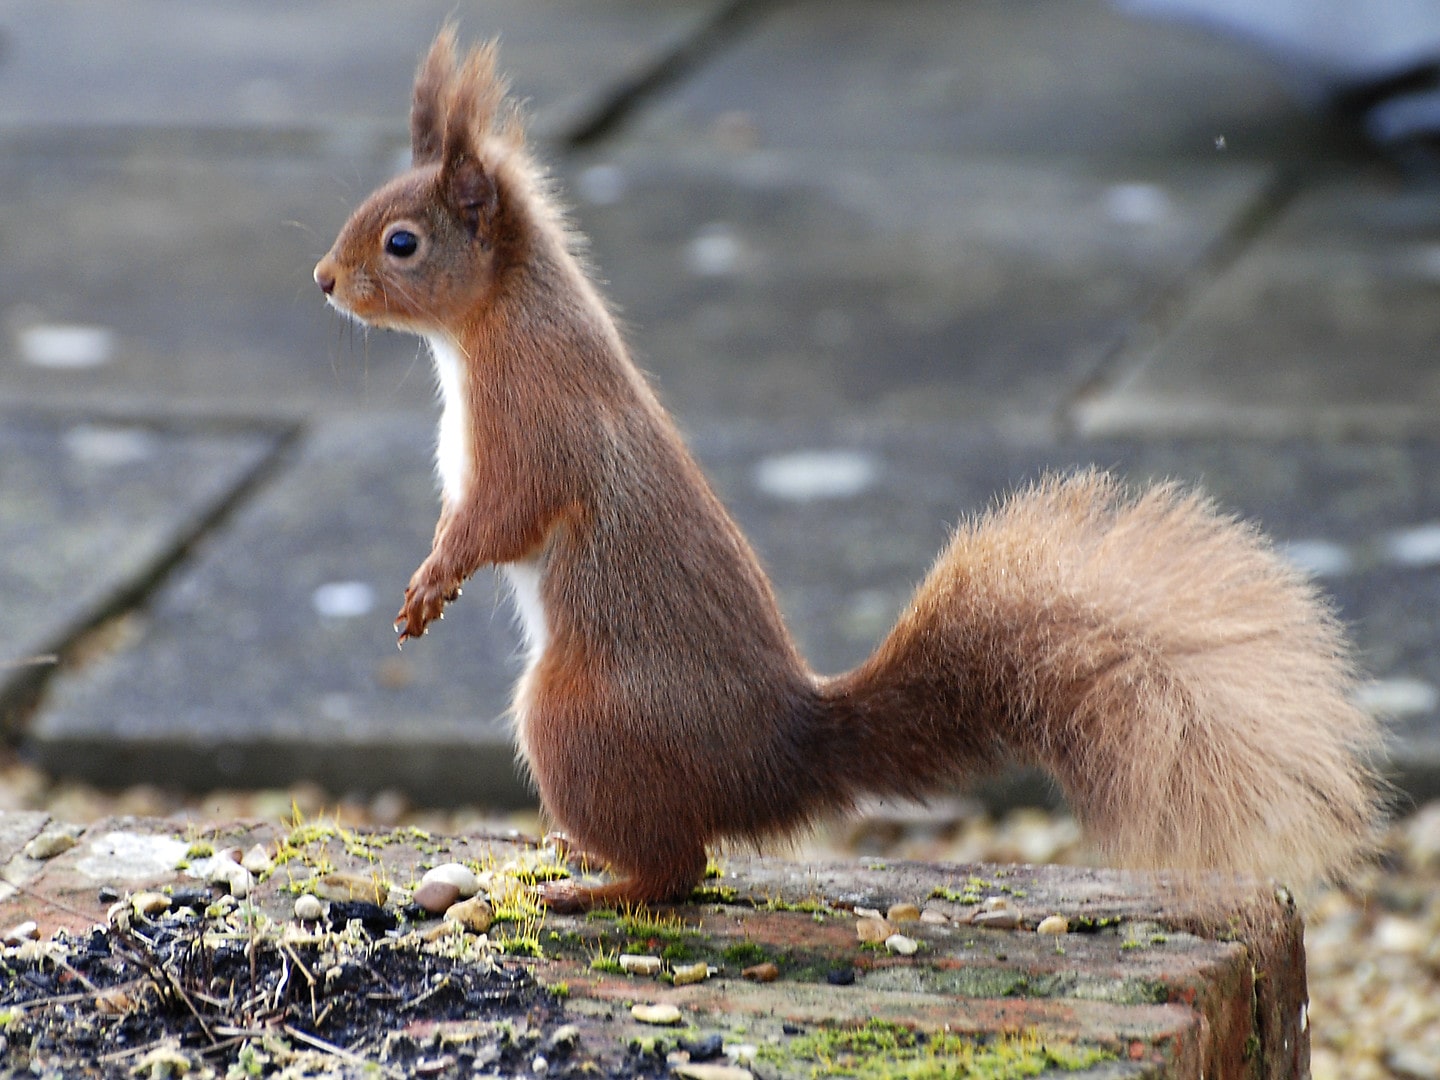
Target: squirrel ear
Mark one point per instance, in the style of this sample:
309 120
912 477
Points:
432 88
471 190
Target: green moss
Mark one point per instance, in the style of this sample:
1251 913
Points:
714 894
882 1049
744 954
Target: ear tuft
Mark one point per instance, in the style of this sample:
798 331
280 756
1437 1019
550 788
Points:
471 191
433 87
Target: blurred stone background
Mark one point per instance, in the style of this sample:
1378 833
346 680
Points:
884 260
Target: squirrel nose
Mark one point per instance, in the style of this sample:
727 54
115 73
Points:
325 278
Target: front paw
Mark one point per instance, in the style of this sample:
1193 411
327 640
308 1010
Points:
425 599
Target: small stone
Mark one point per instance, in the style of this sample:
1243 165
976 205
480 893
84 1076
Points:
934 918
436 897
475 914
52 842
704 1048
899 913
1002 919
872 930
115 1001
686 974
995 903
352 887
1053 924
655 1014
309 908
150 904
465 880
564 1038
901 945
236 879
539 1066
29 930
841 977
761 973
700 1071
442 929
257 860
868 913
108 894
633 964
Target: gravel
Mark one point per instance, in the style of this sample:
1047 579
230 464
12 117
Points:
1373 942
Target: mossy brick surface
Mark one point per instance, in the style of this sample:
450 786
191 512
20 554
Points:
1144 979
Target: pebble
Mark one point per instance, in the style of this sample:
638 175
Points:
150 904
933 917
475 914
309 908
539 1066
437 897
1053 924
705 1048
868 913
236 879
655 1014
873 930
465 880
52 842
633 964
900 913
28 930
1003 919
564 1038
841 977
761 973
700 1071
686 974
995 903
901 945
257 860
352 887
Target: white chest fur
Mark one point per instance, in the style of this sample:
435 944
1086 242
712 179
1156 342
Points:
452 462
452 450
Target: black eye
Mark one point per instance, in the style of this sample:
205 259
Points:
402 243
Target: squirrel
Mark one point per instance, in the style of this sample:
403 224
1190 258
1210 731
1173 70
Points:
1188 690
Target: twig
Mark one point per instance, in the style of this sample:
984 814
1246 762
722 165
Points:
44 660
339 1051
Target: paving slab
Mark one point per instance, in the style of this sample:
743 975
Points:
174 219
91 511
802 284
1330 317
269 656
1144 980
1072 78
340 67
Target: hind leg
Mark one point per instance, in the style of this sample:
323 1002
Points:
672 881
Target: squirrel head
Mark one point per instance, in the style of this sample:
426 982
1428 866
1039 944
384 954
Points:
423 250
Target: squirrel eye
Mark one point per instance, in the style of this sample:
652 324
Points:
402 243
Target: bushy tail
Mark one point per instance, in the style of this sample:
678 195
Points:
1187 688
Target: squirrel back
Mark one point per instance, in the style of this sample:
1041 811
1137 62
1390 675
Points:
1187 689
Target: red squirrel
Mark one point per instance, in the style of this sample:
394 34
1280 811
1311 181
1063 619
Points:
1187 688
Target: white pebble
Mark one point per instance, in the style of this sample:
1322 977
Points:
66 347
539 1066
632 964
1053 924
686 974
655 1014
309 908
700 1070
808 475
50 843
457 874
29 930
257 860
901 945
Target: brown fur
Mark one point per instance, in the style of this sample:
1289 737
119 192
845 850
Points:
1189 692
